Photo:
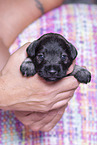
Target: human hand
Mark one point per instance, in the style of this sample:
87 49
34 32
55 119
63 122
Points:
38 121
33 93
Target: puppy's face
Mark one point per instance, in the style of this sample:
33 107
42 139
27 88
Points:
53 56
52 61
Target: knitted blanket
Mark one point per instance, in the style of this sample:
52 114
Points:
78 126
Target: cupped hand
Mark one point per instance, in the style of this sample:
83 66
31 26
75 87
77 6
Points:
32 93
38 121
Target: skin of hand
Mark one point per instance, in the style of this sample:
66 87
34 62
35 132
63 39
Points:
4 54
15 16
33 93
38 121
12 95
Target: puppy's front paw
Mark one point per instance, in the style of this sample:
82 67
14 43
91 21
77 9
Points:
27 68
83 76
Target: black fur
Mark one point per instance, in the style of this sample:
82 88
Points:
50 56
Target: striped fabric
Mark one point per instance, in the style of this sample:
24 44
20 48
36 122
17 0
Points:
78 126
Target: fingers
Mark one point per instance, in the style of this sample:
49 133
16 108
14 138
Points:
16 58
41 121
54 121
20 54
23 48
62 99
37 125
28 118
66 84
60 103
49 121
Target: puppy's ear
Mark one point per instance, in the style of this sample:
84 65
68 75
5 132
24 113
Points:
31 49
73 51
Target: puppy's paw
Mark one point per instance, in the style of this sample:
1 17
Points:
83 76
27 68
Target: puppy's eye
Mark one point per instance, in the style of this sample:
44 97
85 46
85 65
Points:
64 58
40 57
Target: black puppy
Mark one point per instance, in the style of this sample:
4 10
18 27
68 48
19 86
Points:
50 56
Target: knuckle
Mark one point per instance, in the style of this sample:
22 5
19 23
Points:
46 106
71 93
26 123
35 128
48 90
46 129
75 83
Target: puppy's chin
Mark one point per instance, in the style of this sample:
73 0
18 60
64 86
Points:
51 79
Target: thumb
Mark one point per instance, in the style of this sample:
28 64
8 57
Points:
71 67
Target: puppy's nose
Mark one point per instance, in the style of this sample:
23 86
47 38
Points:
52 72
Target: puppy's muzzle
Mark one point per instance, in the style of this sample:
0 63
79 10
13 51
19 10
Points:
52 70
